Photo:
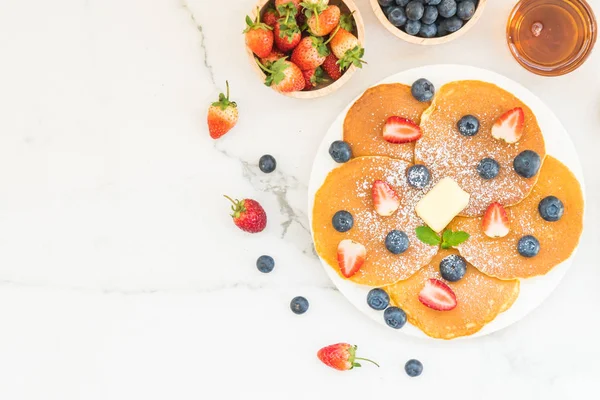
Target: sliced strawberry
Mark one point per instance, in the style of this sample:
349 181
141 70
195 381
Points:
351 256
401 130
385 199
509 127
437 295
495 222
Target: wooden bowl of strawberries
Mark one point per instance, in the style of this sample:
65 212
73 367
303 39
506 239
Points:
305 49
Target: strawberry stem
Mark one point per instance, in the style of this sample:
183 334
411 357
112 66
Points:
227 85
263 67
366 359
337 28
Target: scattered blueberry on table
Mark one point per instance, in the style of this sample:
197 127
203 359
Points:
340 151
342 221
413 368
267 163
378 299
265 264
299 305
429 18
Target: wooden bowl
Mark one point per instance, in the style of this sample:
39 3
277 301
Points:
346 6
427 41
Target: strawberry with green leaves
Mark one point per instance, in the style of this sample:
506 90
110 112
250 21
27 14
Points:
248 215
222 115
323 21
345 45
310 53
272 57
313 77
341 356
283 76
259 36
287 35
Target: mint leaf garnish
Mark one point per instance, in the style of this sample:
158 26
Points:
428 236
453 239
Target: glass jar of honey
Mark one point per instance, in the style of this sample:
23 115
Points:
551 37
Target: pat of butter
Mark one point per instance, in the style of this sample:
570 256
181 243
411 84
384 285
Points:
442 203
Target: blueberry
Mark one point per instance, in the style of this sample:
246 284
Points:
397 16
395 317
402 3
488 168
378 299
413 368
469 124
551 208
299 305
418 176
342 221
340 151
453 268
430 15
267 163
397 242
385 3
452 24
447 8
441 30
528 246
415 10
422 90
465 10
433 2
265 264
428 31
527 163
412 27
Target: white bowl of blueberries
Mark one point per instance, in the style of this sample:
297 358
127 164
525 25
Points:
428 21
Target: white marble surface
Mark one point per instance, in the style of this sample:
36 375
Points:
121 274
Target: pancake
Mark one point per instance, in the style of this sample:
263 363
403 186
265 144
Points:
448 153
363 126
480 299
558 240
349 187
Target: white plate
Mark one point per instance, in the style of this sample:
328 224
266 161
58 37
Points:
558 144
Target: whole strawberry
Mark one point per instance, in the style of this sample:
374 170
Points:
259 37
331 67
222 115
286 35
313 77
248 215
346 48
283 76
341 356
310 53
322 23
